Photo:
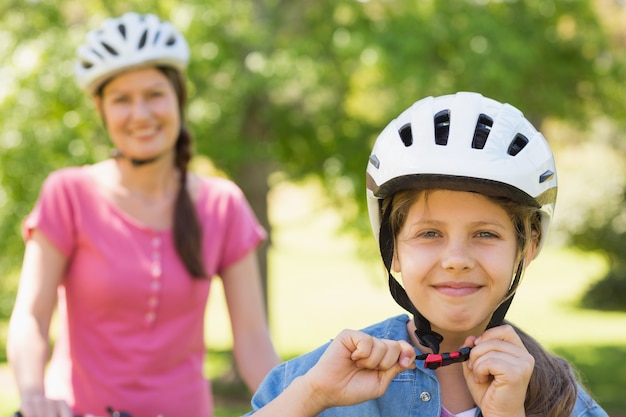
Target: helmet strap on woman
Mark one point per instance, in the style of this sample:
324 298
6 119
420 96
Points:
116 154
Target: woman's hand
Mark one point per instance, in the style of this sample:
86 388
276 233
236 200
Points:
357 367
498 372
38 405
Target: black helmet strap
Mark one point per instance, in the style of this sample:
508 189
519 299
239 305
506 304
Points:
425 335
498 316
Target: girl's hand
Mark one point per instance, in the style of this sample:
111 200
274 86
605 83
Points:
498 372
357 367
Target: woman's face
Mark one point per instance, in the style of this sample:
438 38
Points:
457 253
141 113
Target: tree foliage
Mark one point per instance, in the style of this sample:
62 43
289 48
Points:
299 87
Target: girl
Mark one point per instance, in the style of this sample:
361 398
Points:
461 190
130 245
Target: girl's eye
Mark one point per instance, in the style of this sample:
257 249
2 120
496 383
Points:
487 235
429 234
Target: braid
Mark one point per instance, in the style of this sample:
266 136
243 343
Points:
187 228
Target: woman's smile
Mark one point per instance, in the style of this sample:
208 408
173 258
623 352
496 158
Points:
145 133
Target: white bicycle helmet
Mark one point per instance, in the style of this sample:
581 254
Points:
131 40
462 142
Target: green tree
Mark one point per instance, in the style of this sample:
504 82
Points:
604 228
299 88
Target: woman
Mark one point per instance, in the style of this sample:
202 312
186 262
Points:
461 190
130 245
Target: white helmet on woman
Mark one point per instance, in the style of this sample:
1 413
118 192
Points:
463 142
129 41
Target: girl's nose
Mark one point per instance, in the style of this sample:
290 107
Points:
457 256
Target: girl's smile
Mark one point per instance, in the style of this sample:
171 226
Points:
457 289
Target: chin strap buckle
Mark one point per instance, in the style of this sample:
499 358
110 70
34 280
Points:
436 360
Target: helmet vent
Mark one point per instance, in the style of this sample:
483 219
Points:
406 134
122 30
519 142
546 176
442 127
109 48
142 41
375 161
481 133
171 41
97 53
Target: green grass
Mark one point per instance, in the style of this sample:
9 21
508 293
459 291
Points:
8 404
320 285
604 373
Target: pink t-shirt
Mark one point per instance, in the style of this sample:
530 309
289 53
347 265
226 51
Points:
131 319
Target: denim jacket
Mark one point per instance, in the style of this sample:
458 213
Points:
413 392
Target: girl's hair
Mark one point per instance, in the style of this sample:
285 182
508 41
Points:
552 389
187 229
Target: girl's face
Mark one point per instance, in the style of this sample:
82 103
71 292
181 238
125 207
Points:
457 253
141 113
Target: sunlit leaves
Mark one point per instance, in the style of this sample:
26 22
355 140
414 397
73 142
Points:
302 86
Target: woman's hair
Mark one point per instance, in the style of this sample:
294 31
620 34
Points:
187 229
552 389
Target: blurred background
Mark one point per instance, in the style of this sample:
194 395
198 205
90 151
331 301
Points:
286 98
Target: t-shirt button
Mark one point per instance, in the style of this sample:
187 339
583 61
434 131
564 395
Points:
156 271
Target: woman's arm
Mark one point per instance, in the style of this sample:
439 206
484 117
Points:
27 343
253 348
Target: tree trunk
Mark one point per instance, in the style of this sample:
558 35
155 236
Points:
252 178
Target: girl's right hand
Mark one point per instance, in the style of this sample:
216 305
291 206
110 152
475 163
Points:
40 406
357 367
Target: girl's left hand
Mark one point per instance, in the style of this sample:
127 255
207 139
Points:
498 372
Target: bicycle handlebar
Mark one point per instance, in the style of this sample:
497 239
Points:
111 411
19 414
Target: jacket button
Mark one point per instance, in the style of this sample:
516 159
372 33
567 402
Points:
425 396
